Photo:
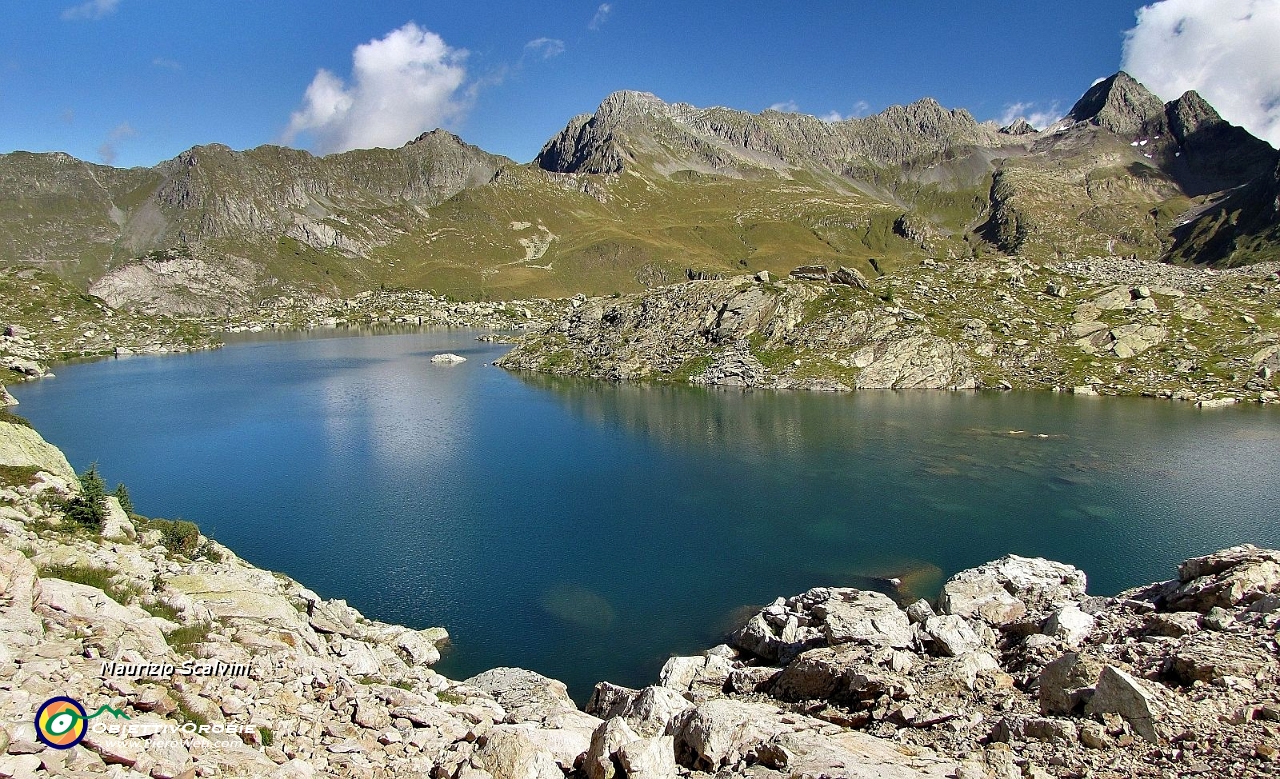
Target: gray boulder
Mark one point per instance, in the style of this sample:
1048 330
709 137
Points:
1228 578
525 695
1066 683
811 273
509 752
649 758
1008 589
851 277
720 732
1070 624
605 742
952 635
1119 693
863 616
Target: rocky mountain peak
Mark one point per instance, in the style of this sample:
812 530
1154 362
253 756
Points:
629 106
1019 127
1120 104
437 135
1189 114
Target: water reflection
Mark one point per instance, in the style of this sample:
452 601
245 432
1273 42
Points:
589 530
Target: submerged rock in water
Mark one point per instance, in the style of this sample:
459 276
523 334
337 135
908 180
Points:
579 606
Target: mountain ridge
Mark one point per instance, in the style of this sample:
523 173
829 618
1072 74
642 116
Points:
641 191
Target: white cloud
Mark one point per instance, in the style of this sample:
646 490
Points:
544 47
833 116
402 84
1038 119
1224 49
602 16
786 107
167 64
109 149
94 9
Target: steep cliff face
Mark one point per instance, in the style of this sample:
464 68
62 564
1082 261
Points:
1240 229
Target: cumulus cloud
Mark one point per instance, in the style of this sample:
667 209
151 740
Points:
786 107
602 16
1038 118
94 9
109 149
1224 49
860 110
546 48
401 85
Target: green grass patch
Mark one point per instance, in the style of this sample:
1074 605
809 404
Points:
13 419
690 368
178 536
92 576
187 713
18 475
186 638
162 610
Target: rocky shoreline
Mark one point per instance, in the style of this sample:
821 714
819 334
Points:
1014 671
1107 326
32 336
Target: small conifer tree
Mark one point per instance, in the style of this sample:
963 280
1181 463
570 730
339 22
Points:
122 495
89 508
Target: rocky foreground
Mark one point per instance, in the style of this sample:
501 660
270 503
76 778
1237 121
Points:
1014 672
1103 326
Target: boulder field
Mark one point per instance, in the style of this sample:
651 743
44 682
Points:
224 669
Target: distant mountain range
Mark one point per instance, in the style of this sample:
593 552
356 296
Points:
644 192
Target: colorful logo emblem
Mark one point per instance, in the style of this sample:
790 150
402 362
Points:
61 723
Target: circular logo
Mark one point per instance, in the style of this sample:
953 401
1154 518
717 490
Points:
61 723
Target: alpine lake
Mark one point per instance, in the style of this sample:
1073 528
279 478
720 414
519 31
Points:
589 530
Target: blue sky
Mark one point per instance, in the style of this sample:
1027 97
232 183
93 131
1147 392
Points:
134 82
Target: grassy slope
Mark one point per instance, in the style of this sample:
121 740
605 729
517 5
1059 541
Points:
635 230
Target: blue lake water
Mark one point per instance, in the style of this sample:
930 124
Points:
589 531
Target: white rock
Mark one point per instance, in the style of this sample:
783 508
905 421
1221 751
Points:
952 635
513 752
116 523
649 758
1070 624
721 731
1119 693
605 742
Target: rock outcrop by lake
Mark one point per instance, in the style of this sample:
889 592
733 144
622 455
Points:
1015 671
1105 326
42 320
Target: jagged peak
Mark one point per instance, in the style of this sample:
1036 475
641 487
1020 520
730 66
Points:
1019 127
437 134
1190 114
630 102
1120 104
